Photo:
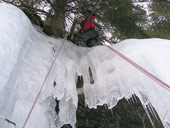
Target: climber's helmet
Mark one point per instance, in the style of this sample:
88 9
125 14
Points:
80 20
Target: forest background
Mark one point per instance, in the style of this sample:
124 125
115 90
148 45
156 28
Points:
122 19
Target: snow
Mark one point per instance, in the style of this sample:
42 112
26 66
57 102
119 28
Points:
26 56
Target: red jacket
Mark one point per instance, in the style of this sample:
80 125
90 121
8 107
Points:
89 24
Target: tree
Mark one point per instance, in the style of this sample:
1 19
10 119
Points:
53 10
121 17
126 18
160 19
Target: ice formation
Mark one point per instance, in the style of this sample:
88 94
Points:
26 56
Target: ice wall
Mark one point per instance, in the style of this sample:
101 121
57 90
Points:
14 37
115 78
30 55
25 58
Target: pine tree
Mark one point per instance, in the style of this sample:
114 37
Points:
121 17
160 19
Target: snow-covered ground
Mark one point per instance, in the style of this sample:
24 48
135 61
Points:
26 56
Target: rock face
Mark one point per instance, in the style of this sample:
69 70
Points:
123 115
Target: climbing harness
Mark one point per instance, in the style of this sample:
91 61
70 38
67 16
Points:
32 107
148 74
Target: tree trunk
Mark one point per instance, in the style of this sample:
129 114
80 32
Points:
57 25
57 21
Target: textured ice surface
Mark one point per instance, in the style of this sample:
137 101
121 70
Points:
26 56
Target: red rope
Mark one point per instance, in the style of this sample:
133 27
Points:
154 78
32 107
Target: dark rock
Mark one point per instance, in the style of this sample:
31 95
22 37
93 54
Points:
123 115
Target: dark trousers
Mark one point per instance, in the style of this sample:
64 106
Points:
90 37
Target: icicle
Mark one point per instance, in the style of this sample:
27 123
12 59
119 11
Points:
166 114
111 111
150 110
148 114
154 112
134 96
105 105
133 99
167 125
128 101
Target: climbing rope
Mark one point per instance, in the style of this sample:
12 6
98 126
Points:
32 107
10 122
154 78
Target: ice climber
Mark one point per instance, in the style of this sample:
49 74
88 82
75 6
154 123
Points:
88 34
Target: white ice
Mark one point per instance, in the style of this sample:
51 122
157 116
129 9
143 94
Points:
26 56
